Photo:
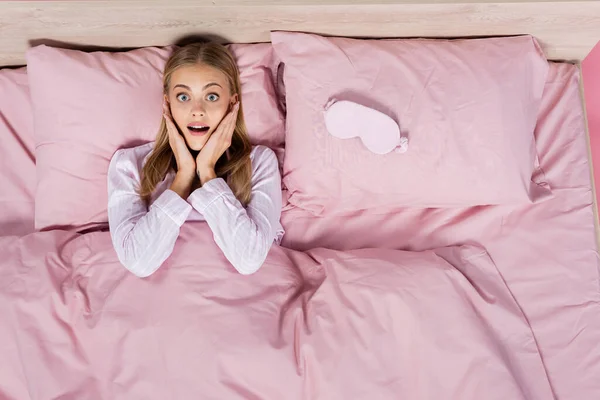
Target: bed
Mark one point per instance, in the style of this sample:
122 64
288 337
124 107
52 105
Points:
474 302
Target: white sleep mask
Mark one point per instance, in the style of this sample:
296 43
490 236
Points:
378 132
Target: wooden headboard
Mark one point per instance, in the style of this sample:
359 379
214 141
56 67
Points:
566 29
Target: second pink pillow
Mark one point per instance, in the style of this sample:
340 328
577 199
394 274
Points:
467 107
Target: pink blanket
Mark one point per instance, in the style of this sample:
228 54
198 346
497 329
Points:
324 324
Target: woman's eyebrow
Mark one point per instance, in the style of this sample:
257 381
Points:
204 88
211 84
183 86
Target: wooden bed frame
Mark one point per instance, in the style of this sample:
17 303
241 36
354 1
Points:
567 29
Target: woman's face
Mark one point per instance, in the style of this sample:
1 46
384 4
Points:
199 97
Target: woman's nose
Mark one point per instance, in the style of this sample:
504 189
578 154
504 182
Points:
198 109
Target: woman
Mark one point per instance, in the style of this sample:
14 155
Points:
201 167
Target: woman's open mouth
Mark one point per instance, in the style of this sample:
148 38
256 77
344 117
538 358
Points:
198 130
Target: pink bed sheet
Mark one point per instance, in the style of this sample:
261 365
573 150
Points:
546 252
478 303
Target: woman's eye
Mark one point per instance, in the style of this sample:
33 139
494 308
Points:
183 97
212 97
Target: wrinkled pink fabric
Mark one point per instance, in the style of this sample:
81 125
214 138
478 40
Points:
546 252
88 105
17 160
467 107
325 324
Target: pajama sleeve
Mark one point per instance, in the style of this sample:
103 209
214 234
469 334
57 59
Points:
143 237
245 235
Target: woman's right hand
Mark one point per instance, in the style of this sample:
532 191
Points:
185 160
186 165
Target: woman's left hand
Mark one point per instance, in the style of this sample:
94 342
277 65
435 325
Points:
216 145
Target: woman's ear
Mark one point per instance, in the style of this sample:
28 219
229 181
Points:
234 99
166 99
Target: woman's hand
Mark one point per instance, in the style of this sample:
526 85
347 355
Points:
216 145
186 165
185 160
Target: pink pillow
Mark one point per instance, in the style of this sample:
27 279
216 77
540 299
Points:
467 107
17 162
258 71
88 105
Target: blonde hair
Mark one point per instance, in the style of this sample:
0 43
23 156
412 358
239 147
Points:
234 166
